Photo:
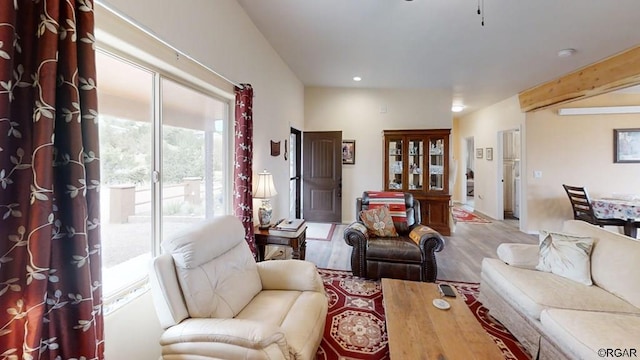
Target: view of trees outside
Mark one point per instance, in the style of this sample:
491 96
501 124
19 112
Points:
125 151
182 154
183 168
127 160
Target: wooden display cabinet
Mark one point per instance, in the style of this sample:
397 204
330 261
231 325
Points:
417 161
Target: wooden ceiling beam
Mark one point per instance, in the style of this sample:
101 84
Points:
616 72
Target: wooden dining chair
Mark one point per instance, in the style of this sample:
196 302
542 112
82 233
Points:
583 210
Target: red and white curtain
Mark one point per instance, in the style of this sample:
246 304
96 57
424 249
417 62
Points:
50 261
242 167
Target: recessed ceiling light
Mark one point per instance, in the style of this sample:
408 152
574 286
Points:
357 78
457 108
566 52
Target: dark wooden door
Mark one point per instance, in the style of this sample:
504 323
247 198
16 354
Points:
322 176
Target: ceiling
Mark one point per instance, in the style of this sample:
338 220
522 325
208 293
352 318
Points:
441 44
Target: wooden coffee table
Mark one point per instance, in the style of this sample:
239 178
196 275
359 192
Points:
419 330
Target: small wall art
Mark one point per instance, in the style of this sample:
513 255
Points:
275 148
349 152
489 152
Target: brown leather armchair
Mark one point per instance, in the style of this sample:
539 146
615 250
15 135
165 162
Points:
395 257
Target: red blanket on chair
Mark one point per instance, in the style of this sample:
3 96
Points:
393 200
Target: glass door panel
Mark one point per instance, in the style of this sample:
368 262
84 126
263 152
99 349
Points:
436 164
126 133
395 164
295 176
416 164
192 156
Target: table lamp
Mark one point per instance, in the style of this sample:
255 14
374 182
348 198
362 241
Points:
265 190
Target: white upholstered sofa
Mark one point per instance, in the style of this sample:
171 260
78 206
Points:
558 318
215 302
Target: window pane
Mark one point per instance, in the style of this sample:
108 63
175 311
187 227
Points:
416 162
395 164
436 164
124 94
192 156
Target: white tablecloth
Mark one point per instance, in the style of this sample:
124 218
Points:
616 209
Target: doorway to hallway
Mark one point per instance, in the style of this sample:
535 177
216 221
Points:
469 166
510 179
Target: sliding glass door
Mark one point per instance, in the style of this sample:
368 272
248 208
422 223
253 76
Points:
163 164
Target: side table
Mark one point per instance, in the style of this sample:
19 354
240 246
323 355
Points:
296 239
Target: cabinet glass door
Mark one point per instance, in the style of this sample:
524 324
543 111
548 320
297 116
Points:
415 164
436 164
395 164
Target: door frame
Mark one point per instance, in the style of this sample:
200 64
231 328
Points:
499 159
297 177
500 173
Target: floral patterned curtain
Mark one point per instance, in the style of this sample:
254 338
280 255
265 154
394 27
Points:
50 280
242 168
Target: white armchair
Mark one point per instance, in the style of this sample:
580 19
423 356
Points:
215 302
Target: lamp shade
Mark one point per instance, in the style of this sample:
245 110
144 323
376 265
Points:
265 188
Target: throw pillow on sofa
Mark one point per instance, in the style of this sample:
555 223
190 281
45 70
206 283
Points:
566 255
379 222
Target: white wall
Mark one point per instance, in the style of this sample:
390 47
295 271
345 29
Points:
359 114
132 332
576 150
221 36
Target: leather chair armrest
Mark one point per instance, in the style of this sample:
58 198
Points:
427 238
240 332
429 242
356 234
298 275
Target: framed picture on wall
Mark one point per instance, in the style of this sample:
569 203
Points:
626 144
349 152
489 153
275 148
479 153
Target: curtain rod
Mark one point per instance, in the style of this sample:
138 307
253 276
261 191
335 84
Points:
157 38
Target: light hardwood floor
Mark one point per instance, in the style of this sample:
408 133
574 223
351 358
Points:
460 259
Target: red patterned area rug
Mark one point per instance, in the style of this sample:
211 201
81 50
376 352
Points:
355 327
462 215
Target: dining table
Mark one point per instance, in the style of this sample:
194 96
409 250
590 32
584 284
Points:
619 208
